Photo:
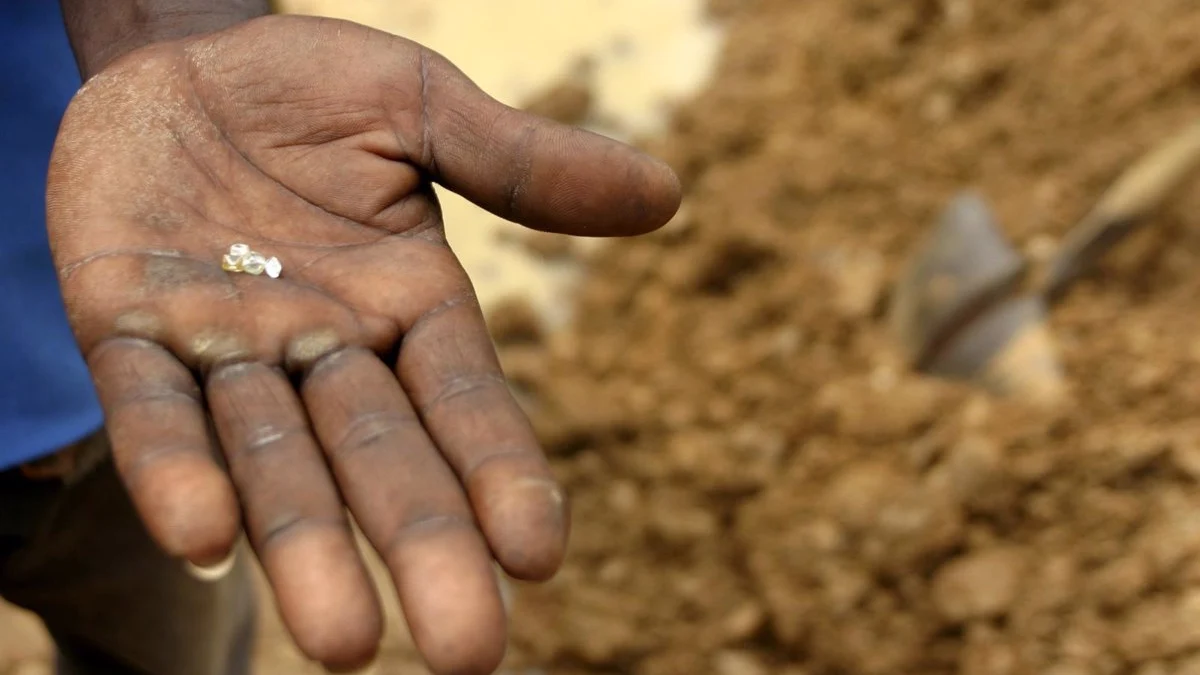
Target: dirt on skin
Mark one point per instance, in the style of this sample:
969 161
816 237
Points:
759 486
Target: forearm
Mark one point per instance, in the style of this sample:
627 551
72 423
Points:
103 30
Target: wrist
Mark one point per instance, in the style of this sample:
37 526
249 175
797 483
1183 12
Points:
102 31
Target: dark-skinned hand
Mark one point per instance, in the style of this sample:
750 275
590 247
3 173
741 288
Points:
363 380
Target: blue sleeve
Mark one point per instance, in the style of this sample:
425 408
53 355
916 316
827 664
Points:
46 394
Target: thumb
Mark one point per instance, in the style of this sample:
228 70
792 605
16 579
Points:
534 171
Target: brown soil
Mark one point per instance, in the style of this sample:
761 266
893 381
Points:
759 486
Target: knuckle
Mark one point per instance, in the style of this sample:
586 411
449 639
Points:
463 385
505 459
267 437
368 429
429 525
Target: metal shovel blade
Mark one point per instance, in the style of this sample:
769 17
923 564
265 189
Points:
961 268
1008 350
953 308
954 315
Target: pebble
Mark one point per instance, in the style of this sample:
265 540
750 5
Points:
979 585
737 662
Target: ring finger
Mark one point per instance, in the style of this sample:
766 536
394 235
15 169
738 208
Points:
412 509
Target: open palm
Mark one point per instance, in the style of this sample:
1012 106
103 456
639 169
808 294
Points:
363 378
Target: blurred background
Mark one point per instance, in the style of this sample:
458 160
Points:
820 424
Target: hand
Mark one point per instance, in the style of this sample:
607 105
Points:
362 378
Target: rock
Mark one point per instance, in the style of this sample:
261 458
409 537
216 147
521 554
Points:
858 493
916 525
1161 628
1122 581
988 656
970 471
858 279
863 413
744 621
738 662
979 585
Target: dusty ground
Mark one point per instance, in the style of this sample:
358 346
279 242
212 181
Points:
758 486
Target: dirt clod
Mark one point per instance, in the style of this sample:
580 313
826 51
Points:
980 585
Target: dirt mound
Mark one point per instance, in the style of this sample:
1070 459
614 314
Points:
759 486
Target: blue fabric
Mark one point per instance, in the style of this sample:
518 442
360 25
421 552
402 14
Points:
46 395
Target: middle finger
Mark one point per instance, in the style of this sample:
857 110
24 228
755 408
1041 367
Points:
294 515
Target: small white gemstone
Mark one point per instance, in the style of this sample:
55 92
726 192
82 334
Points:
231 263
239 250
254 264
274 267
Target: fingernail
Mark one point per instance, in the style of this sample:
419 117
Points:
213 572
532 500
554 498
529 521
